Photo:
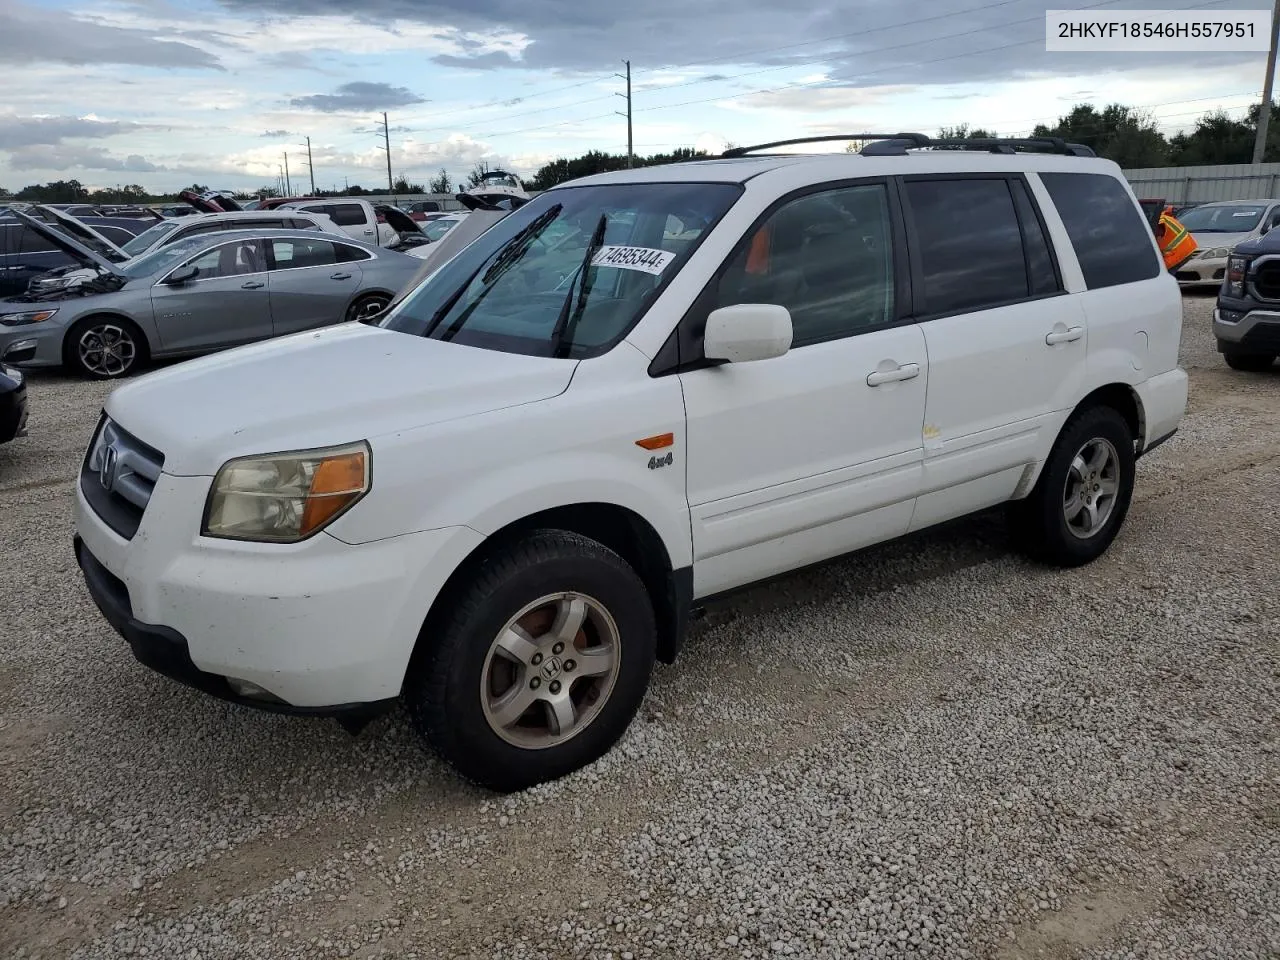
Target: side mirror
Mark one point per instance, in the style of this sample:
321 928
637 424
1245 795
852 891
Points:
182 275
747 331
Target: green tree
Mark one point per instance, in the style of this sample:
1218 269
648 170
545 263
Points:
402 185
440 183
1124 134
477 173
596 161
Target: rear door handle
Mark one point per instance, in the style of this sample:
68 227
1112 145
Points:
252 285
1064 336
339 276
904 372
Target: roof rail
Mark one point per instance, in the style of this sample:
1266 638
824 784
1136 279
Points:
897 144
918 138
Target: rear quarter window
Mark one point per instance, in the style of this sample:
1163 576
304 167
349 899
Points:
347 214
1111 239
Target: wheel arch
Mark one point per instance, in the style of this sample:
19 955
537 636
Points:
108 314
1124 400
620 529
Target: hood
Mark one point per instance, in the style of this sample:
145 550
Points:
1208 240
398 220
434 255
211 201
81 231
69 245
339 384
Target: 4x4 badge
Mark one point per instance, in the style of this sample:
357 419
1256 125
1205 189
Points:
656 462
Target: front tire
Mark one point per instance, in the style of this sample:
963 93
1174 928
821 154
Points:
1250 362
104 348
539 665
1083 494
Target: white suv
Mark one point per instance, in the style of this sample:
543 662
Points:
502 499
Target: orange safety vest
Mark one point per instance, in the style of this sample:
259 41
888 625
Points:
1176 245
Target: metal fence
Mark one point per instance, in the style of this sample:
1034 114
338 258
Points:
1229 181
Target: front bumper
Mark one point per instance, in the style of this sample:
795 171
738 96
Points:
1201 273
13 414
1240 329
32 344
320 626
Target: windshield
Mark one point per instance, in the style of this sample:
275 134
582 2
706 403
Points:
143 241
436 229
164 257
519 306
1222 218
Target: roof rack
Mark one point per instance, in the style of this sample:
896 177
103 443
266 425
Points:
897 144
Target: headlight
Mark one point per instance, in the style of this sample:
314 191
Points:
1233 283
22 319
1215 253
286 497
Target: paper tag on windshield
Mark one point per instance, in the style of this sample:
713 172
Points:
645 259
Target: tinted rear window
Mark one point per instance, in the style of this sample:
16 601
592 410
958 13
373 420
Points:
1112 240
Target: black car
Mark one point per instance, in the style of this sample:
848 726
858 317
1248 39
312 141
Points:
24 254
1246 318
13 403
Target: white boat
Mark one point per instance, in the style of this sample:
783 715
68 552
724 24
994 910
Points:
497 190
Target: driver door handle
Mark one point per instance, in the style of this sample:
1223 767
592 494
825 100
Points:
252 285
1064 336
904 372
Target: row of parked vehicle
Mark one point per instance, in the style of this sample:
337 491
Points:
103 295
1238 255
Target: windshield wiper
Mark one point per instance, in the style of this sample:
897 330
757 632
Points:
509 253
565 322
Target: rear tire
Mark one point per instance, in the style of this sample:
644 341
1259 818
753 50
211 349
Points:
539 664
104 347
1250 362
1083 494
360 305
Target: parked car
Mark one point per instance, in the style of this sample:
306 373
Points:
1246 318
170 231
1217 229
13 403
358 219
205 293
25 255
502 501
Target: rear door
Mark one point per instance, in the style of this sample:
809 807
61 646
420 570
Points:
226 304
312 281
1007 346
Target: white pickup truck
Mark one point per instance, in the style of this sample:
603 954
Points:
357 218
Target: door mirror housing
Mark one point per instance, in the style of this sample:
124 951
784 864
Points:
182 275
747 331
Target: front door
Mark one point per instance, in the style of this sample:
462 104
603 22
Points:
1006 348
225 304
806 456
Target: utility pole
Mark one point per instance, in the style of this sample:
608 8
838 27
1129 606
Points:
387 146
288 184
280 179
1264 115
310 168
631 156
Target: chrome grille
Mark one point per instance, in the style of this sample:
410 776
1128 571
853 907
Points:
119 475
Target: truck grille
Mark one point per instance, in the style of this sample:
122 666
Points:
1266 280
118 476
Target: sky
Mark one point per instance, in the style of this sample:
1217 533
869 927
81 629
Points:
166 93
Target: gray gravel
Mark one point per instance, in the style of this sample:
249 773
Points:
932 749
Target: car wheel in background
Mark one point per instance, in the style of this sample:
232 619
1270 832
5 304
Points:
1250 362
362 307
104 347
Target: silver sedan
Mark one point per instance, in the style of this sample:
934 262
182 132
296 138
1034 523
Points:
199 295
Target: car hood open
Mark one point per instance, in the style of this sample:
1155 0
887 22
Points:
335 385
397 219
69 245
82 232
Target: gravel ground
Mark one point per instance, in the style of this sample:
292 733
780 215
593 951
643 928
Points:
932 749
